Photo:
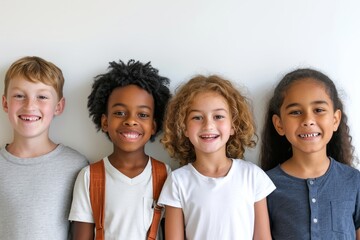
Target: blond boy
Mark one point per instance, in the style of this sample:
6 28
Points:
36 174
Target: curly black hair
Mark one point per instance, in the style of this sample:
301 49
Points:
121 75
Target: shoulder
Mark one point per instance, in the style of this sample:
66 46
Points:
344 170
156 161
182 178
183 172
254 178
97 166
4 154
98 162
250 170
69 151
276 171
343 167
71 154
83 176
168 169
246 166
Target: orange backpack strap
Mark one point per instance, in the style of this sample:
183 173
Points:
97 196
159 175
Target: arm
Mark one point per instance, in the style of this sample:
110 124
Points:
262 223
82 231
174 223
358 234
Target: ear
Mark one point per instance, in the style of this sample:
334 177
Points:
60 106
104 123
186 133
278 125
232 131
337 119
5 104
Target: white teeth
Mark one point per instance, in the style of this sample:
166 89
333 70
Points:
30 118
309 135
131 135
209 136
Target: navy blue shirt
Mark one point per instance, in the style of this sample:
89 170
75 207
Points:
326 208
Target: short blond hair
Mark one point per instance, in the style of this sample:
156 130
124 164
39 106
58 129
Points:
36 69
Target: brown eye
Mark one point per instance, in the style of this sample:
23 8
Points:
295 112
218 117
144 115
120 113
319 110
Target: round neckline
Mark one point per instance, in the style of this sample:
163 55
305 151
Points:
207 178
32 160
306 179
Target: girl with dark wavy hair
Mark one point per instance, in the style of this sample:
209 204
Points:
308 154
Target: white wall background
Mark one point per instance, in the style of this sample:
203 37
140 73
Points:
251 42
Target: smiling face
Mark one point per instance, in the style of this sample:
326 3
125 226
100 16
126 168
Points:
307 117
130 118
208 123
31 107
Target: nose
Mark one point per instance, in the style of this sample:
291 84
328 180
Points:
29 103
308 120
208 123
130 121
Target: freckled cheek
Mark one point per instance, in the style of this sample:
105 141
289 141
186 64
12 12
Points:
50 110
13 107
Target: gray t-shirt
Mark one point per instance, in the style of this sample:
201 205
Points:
325 208
35 194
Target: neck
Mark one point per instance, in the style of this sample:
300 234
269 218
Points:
212 166
129 163
29 148
307 166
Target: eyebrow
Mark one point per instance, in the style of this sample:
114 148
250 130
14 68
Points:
38 91
313 103
214 110
21 88
124 105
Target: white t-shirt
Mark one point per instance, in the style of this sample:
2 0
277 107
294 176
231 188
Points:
217 208
128 202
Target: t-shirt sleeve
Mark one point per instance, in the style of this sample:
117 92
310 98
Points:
168 170
81 207
170 193
264 185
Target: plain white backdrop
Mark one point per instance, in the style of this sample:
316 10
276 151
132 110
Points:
253 43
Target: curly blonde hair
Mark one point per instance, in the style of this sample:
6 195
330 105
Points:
174 139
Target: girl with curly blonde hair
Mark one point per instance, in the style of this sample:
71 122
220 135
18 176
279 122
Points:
216 194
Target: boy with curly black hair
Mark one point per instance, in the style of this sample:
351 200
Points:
127 103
